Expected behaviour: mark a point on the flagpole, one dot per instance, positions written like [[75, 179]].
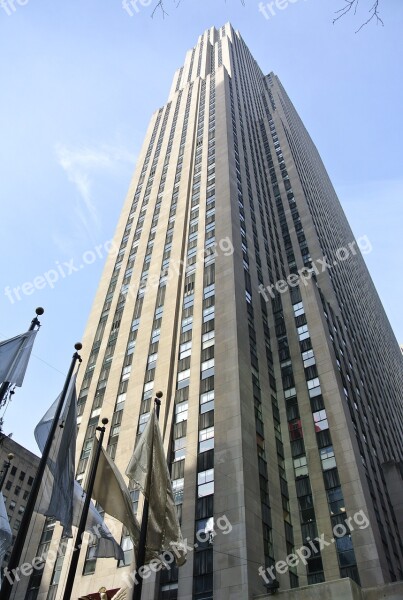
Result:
[[18, 547], [6, 466], [141, 554], [83, 519], [34, 323]]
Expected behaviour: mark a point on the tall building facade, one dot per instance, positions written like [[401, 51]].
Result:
[[238, 289]]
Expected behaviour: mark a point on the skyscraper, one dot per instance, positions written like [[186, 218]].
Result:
[[238, 289]]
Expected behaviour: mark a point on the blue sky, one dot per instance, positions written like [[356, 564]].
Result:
[[79, 82]]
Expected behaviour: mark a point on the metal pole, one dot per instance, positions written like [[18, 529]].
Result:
[[83, 519], [34, 323], [18, 547], [6, 466], [141, 554]]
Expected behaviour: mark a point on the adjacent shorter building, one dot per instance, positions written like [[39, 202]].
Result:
[[17, 485]]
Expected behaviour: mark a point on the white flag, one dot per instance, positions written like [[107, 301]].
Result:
[[61, 496], [148, 469], [107, 546], [111, 492], [14, 357], [5, 532], [58, 481]]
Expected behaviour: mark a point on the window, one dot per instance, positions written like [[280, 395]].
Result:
[[209, 290], [152, 359], [300, 466], [345, 551], [206, 439], [203, 571], [295, 428], [327, 458], [87, 447], [177, 489], [90, 560], [205, 483], [181, 412], [312, 383], [48, 530], [155, 336], [183, 379], [306, 508], [303, 332], [336, 501], [298, 309], [207, 402], [143, 419], [185, 350], [314, 388], [204, 532], [208, 314], [308, 358], [13, 471], [128, 554], [57, 572], [320, 419], [120, 402], [179, 448], [207, 368], [126, 373], [148, 390], [208, 339], [187, 323], [22, 476], [207, 364]]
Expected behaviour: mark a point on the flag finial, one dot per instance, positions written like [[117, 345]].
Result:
[[157, 402], [35, 321]]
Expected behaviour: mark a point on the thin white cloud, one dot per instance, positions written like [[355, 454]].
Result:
[[81, 165]]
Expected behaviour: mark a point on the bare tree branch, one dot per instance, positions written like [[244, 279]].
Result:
[[352, 5], [349, 5], [160, 5]]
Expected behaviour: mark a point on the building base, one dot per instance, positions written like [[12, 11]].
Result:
[[341, 589]]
